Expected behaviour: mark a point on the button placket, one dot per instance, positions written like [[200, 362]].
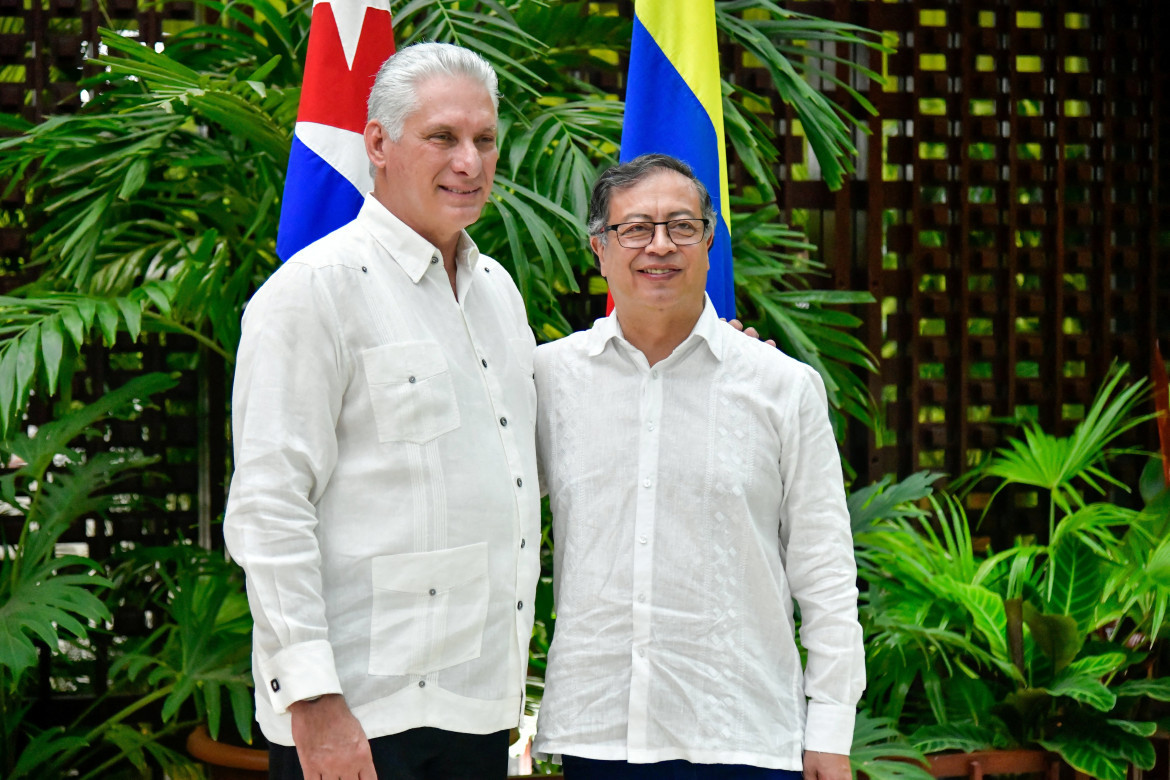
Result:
[[643, 560]]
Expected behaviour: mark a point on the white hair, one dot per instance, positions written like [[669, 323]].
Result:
[[394, 95]]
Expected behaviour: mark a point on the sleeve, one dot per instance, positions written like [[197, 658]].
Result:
[[817, 546], [289, 382]]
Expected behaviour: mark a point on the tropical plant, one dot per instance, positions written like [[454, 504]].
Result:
[[46, 597], [1047, 645], [155, 207], [1066, 466], [153, 210]]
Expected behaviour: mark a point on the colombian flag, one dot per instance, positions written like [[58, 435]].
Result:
[[328, 171], [674, 106]]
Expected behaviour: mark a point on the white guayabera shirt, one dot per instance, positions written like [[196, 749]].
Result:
[[385, 503], [692, 502]]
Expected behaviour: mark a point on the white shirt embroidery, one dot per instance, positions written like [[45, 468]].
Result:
[[692, 501], [384, 504]]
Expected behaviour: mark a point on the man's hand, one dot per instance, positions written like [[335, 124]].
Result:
[[826, 766], [752, 332], [330, 741]]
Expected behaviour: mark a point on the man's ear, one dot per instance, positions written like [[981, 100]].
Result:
[[375, 138], [597, 247], [710, 239]]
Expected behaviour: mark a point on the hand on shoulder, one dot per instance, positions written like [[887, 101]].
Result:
[[750, 332]]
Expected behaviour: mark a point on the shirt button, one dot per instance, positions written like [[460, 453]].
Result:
[[422, 683], [646, 482], [434, 260], [504, 422], [484, 361], [650, 427], [641, 598], [519, 605], [522, 543], [641, 652], [433, 591], [519, 482], [641, 539], [654, 374], [275, 685], [411, 380]]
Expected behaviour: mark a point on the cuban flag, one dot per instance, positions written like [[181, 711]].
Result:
[[328, 172], [674, 105]]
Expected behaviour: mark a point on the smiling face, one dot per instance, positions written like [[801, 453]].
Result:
[[438, 175], [660, 277]]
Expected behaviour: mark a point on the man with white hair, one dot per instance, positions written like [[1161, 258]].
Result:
[[385, 502]]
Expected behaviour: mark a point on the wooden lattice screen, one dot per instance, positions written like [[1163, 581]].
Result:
[[1009, 211], [1009, 214], [43, 46]]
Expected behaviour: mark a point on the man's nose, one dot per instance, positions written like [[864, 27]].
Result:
[[466, 158], [661, 242]]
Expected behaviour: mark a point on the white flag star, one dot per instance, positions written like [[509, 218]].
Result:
[[349, 15]]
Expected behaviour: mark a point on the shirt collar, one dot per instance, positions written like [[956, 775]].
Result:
[[410, 250], [706, 328]]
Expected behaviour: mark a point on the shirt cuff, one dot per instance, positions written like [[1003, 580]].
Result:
[[829, 728], [298, 672]]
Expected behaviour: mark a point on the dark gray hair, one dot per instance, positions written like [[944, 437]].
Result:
[[394, 95], [626, 175]]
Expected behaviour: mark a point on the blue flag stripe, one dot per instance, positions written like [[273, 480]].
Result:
[[663, 115], [320, 191]]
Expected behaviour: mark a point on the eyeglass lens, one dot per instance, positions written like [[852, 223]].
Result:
[[634, 235]]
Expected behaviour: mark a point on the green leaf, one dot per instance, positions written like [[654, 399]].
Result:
[[107, 317], [157, 293], [939, 737], [1158, 690], [135, 178], [1058, 636], [888, 498], [26, 360], [987, 612], [52, 347], [1101, 747], [1086, 757], [132, 314], [7, 388], [1075, 581], [1097, 665], [1085, 689], [74, 325], [42, 750], [1141, 728]]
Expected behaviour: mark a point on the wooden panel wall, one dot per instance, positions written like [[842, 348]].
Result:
[[1010, 216], [1009, 213]]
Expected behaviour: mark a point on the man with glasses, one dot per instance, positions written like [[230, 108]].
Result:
[[696, 491]]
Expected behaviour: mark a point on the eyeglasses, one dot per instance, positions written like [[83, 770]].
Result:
[[683, 232]]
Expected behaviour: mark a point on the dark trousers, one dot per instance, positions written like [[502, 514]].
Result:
[[418, 754], [576, 768]]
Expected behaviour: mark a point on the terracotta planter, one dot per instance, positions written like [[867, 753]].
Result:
[[995, 762], [227, 762]]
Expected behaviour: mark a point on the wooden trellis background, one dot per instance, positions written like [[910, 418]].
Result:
[[1010, 215]]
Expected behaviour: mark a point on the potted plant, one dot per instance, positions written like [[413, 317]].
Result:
[[1051, 646]]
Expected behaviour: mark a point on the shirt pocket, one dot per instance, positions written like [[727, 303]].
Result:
[[411, 391], [429, 609]]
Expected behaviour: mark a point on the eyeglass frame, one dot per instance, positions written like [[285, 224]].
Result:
[[703, 234]]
